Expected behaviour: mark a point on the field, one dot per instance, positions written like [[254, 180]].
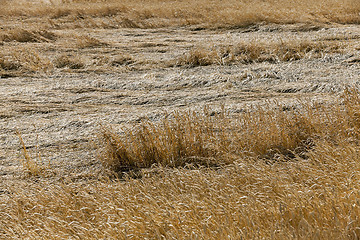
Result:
[[180, 119]]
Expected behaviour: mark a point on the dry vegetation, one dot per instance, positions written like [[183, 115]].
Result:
[[285, 168], [49, 23], [259, 51], [15, 60], [149, 14], [279, 174], [217, 138]]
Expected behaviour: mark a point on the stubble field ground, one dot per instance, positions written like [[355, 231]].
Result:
[[67, 72]]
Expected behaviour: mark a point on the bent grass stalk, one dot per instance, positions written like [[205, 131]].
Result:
[[29, 164]]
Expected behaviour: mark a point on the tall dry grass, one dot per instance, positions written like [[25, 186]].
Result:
[[24, 35], [215, 140], [155, 13], [23, 61], [259, 51], [313, 195]]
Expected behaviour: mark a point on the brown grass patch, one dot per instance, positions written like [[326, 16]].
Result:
[[122, 60], [8, 65], [198, 57], [22, 35], [258, 51], [229, 13], [72, 62], [23, 60], [200, 138]]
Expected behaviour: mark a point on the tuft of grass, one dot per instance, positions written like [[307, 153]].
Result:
[[71, 62], [23, 60], [88, 42], [23, 35], [197, 57], [200, 138], [8, 65], [177, 140], [122, 60]]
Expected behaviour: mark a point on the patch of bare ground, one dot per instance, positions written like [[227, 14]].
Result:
[[158, 119]]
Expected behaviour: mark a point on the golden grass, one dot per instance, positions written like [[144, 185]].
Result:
[[88, 42], [8, 65], [259, 51], [313, 195], [23, 60], [30, 166], [270, 172], [201, 138], [155, 13], [71, 62], [19, 57], [23, 35]]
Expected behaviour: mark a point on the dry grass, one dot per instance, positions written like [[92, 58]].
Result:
[[216, 140], [23, 35], [132, 13], [88, 42], [71, 62], [8, 65], [23, 61], [309, 196], [199, 57], [269, 172], [122, 60], [30, 165], [259, 51]]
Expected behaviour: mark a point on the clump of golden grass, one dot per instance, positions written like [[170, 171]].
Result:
[[198, 57], [258, 51], [260, 133], [72, 62], [167, 143], [314, 196], [23, 60], [23, 35], [212, 140], [218, 13], [122, 60], [281, 51], [88, 42]]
